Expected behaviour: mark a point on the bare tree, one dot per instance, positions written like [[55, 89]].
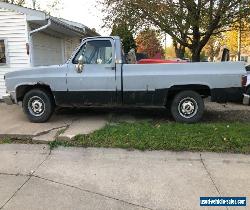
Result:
[[18, 2], [52, 6]]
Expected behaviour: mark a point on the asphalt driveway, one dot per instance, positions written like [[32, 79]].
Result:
[[33, 177]]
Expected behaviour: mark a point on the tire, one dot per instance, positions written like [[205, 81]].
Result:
[[38, 105], [248, 92], [187, 107]]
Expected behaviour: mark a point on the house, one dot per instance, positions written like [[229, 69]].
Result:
[[32, 38], [245, 54]]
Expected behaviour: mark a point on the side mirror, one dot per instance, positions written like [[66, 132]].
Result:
[[80, 64]]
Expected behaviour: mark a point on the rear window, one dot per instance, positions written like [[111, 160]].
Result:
[[2, 52]]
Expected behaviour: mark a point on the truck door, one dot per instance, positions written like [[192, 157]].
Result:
[[96, 83]]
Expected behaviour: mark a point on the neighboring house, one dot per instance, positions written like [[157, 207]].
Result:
[[245, 54], [244, 57], [32, 38]]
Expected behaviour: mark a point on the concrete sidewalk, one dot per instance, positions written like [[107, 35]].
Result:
[[33, 177]]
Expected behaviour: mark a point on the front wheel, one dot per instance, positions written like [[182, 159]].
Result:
[[38, 105], [187, 107]]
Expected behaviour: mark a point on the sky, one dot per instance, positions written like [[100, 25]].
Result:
[[87, 12]]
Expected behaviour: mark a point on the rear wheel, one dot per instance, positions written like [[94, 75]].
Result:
[[38, 105], [187, 107], [248, 92]]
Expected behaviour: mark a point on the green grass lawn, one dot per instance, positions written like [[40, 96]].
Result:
[[213, 137], [5, 141]]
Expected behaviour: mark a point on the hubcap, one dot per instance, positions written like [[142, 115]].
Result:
[[36, 106], [188, 108]]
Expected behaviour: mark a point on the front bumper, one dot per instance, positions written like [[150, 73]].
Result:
[[8, 99], [246, 99]]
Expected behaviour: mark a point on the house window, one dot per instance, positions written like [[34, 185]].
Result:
[[244, 58], [2, 52]]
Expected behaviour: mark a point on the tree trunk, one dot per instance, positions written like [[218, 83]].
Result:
[[196, 54], [196, 45], [196, 49], [179, 50]]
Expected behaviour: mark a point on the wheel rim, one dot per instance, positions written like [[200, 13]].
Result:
[[36, 106], [188, 108]]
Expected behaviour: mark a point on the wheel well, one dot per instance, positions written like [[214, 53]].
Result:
[[23, 89], [203, 90]]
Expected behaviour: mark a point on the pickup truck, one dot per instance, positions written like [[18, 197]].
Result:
[[97, 75]]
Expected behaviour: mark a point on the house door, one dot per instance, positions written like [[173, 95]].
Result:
[[96, 84]]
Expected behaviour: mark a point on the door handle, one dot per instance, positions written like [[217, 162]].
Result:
[[110, 67]]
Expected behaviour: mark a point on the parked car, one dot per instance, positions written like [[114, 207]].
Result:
[[246, 99], [96, 75], [142, 58], [248, 68], [151, 61]]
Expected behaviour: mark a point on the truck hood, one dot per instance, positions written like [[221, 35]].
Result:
[[33, 71]]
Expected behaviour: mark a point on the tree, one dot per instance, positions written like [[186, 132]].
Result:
[[230, 39], [51, 7], [213, 47], [190, 23], [179, 49], [148, 42], [122, 30], [170, 52], [18, 2]]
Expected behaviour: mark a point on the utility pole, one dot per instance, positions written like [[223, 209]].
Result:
[[240, 33], [34, 4], [165, 46]]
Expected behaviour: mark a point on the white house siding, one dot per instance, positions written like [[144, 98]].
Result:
[[47, 50], [13, 28]]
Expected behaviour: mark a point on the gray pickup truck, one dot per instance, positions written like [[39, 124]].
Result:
[[98, 75]]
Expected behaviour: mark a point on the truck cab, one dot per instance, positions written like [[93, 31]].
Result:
[[94, 73]]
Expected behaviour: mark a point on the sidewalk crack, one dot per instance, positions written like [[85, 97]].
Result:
[[14, 194], [48, 131], [45, 159], [26, 181], [92, 192], [10, 174], [210, 176]]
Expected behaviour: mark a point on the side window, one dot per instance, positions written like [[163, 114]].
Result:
[[80, 52], [2, 52], [96, 52]]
